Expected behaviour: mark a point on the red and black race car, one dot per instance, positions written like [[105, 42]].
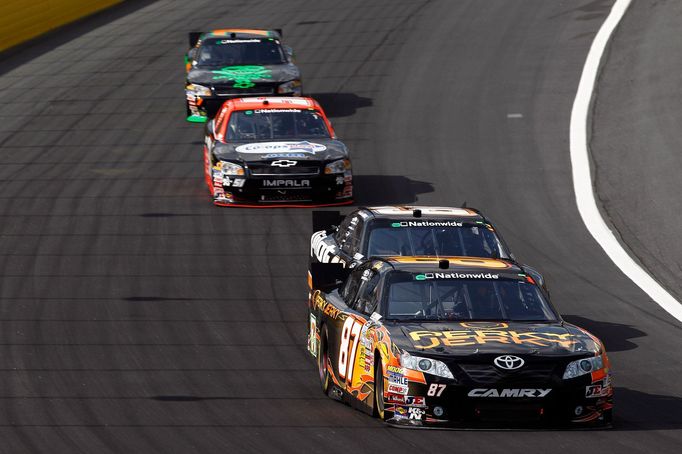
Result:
[[454, 342], [235, 62], [279, 151]]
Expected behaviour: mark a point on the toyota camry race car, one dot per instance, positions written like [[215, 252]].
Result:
[[454, 342], [279, 151], [230, 63], [406, 231]]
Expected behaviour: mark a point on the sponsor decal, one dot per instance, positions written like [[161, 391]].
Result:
[[416, 413], [312, 336], [269, 148], [396, 375], [417, 401], [396, 388], [396, 399], [322, 250], [331, 311], [509, 392], [243, 76], [425, 276], [237, 41], [430, 339], [277, 110], [286, 183], [284, 155], [427, 224], [601, 389]]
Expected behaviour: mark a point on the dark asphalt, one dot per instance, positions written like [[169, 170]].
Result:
[[636, 138], [136, 317]]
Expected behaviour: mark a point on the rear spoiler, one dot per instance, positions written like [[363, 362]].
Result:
[[328, 276], [194, 38], [326, 220]]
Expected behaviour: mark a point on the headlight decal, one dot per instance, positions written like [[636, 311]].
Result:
[[584, 366], [426, 365]]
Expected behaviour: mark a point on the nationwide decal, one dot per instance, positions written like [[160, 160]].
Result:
[[243, 76], [509, 392], [427, 224], [457, 338], [281, 147], [237, 41], [277, 110], [425, 276], [285, 155]]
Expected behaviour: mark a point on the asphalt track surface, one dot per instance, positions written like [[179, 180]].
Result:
[[136, 317]]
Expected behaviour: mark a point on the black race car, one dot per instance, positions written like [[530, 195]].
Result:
[[230, 63], [454, 342], [406, 231], [275, 152]]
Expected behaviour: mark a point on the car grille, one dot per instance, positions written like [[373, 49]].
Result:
[[268, 170], [528, 375], [229, 90]]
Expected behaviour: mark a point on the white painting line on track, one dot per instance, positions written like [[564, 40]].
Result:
[[582, 178]]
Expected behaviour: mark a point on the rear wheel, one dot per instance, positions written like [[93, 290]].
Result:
[[378, 388], [322, 360]]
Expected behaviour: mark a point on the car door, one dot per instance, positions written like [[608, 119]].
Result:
[[353, 355]]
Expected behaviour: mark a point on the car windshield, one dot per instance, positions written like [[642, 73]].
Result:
[[267, 124], [434, 238], [420, 297], [231, 52]]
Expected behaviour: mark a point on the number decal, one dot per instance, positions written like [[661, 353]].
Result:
[[349, 343], [435, 390]]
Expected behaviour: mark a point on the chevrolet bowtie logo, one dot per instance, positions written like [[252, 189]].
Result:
[[283, 163]]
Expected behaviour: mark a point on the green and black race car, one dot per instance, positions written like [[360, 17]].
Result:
[[235, 63]]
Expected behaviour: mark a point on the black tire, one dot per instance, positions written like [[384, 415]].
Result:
[[378, 410], [322, 359]]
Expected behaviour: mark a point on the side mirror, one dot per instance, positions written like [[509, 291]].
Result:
[[328, 276]]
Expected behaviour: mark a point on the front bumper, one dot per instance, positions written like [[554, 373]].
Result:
[[282, 191], [464, 407]]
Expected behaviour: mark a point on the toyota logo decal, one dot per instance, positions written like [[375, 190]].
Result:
[[283, 163], [508, 362]]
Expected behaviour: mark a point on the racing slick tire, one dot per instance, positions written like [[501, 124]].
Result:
[[378, 410], [322, 360]]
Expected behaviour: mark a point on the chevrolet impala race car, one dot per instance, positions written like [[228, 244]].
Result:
[[408, 231], [231, 63], [277, 151], [454, 342]]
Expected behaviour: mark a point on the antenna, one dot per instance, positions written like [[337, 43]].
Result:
[[444, 264], [417, 213]]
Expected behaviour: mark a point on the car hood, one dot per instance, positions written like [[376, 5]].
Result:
[[462, 339], [243, 75], [295, 150]]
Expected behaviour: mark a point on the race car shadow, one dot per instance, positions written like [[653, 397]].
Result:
[[337, 105], [387, 189], [616, 336], [637, 410]]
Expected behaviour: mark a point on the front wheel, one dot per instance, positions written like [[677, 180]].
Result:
[[378, 389], [322, 360]]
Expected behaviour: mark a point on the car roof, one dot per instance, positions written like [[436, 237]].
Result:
[[428, 264], [241, 33], [425, 212], [275, 102]]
